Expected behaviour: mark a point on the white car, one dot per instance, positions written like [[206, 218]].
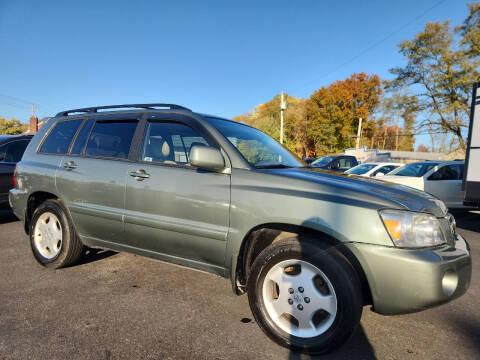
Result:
[[373, 169], [440, 178]]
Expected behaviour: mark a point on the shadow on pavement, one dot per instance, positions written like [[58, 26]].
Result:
[[92, 255], [469, 327], [467, 220], [358, 347], [6, 216]]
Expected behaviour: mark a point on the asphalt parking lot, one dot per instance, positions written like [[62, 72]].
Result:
[[115, 305]]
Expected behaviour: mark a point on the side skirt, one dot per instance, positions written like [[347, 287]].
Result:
[[198, 265]]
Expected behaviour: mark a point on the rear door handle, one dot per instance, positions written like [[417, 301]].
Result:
[[139, 175], [70, 165]]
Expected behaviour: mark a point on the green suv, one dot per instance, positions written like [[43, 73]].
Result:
[[310, 247]]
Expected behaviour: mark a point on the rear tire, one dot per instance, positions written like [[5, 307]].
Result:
[[303, 296], [53, 238]]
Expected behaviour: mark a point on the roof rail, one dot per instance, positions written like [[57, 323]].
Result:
[[95, 109]]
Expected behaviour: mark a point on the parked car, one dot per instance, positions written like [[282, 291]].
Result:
[[442, 179], [310, 247], [11, 151], [338, 163], [373, 169]]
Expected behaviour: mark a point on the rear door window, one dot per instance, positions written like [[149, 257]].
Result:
[[111, 139], [82, 137], [60, 137]]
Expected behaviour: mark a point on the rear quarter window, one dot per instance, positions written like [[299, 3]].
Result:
[[60, 137]]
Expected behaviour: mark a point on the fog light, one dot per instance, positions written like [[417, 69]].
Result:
[[449, 282]]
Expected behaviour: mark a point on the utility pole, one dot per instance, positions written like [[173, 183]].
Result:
[[359, 133], [283, 106], [396, 140]]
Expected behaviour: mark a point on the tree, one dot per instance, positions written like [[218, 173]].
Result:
[[440, 75], [11, 127], [469, 31], [333, 112]]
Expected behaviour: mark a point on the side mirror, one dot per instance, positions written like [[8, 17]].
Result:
[[2, 156], [206, 157], [380, 174]]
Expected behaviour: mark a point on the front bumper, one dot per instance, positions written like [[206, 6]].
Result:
[[404, 281]]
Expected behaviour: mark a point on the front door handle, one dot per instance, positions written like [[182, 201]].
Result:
[[70, 165], [139, 175]]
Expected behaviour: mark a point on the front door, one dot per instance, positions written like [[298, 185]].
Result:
[[178, 212], [446, 184]]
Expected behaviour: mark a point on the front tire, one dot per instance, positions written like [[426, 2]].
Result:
[[53, 239], [305, 297]]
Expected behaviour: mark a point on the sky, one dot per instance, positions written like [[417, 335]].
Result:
[[217, 57]]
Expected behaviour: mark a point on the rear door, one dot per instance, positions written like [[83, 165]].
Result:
[[91, 177], [177, 211]]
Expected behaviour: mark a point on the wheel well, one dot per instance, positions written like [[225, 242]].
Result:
[[34, 200], [264, 235]]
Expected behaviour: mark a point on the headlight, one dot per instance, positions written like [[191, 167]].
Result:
[[412, 229]]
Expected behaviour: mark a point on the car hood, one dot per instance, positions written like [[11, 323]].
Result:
[[388, 193]]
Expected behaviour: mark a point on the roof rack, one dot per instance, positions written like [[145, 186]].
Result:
[[95, 109]]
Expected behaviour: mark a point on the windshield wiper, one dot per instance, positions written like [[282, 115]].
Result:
[[273, 166]]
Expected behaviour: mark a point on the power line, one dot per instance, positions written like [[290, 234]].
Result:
[[376, 44], [20, 103], [16, 99]]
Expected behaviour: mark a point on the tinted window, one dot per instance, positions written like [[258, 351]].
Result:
[[414, 169], [449, 172], [111, 139], [82, 137], [59, 139], [13, 151], [169, 143], [361, 169], [384, 169], [322, 161]]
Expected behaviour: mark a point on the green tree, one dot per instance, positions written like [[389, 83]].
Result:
[[11, 127], [469, 31], [441, 74]]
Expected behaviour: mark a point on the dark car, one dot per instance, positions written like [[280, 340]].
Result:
[[11, 152], [309, 160], [340, 163]]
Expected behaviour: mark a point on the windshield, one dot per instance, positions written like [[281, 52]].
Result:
[[415, 169], [360, 169], [322, 161], [259, 149]]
